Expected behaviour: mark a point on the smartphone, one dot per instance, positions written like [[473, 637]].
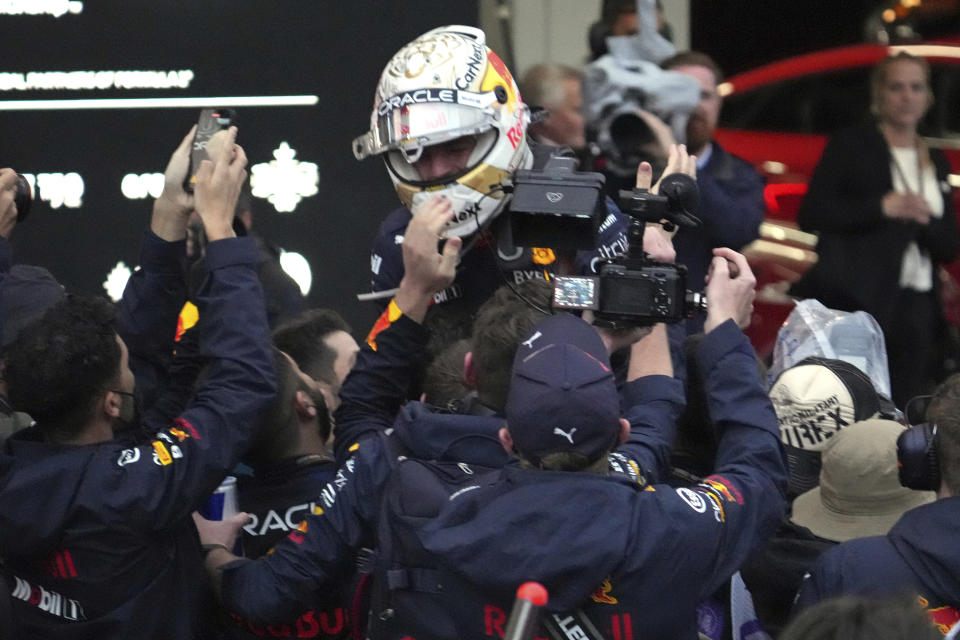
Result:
[[210, 121]]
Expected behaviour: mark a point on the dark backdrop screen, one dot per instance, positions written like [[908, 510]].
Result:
[[97, 166]]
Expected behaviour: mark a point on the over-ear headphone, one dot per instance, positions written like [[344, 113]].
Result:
[[919, 466]]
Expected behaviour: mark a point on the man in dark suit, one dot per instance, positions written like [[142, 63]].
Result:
[[731, 191]]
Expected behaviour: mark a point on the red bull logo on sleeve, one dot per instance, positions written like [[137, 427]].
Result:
[[186, 427], [602, 594], [943, 618], [390, 315], [725, 487], [297, 536]]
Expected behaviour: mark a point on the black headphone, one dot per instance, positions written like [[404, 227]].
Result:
[[919, 466]]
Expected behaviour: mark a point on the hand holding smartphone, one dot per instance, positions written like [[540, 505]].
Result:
[[210, 122]]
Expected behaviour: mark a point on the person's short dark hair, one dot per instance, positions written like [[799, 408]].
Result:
[[302, 339], [277, 433], [599, 30], [862, 618], [613, 8], [944, 411], [694, 59], [443, 383], [500, 323], [61, 364], [446, 324]]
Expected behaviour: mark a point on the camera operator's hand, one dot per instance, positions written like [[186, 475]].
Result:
[[218, 187], [679, 161], [649, 348], [731, 288], [616, 339], [8, 205], [172, 209], [657, 241], [426, 269]]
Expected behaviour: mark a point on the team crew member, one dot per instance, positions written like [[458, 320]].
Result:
[[110, 550], [291, 464], [723, 519]]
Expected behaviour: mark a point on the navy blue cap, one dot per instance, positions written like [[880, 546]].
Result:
[[562, 393]]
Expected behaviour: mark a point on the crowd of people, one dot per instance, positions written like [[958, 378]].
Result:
[[478, 438]]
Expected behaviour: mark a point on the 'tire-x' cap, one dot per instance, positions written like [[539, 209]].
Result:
[[815, 399], [562, 393]]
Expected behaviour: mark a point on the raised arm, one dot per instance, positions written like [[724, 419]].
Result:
[[193, 455], [652, 398], [378, 383], [154, 295]]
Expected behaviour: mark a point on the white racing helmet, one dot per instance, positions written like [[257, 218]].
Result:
[[445, 85]]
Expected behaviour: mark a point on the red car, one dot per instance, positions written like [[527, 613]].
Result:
[[779, 117]]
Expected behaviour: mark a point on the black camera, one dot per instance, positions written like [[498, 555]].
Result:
[[23, 198], [631, 289]]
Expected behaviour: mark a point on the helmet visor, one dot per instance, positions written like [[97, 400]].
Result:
[[417, 119], [450, 160]]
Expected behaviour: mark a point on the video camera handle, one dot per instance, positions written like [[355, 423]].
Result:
[[677, 202]]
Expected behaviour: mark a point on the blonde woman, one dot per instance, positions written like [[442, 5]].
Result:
[[880, 202]]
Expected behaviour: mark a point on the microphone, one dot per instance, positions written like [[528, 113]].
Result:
[[682, 192], [525, 615]]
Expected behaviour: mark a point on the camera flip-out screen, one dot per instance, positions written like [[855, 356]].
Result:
[[557, 209]]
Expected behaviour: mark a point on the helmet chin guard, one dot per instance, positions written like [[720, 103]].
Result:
[[446, 85]]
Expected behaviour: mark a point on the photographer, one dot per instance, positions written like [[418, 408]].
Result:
[[731, 190]]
